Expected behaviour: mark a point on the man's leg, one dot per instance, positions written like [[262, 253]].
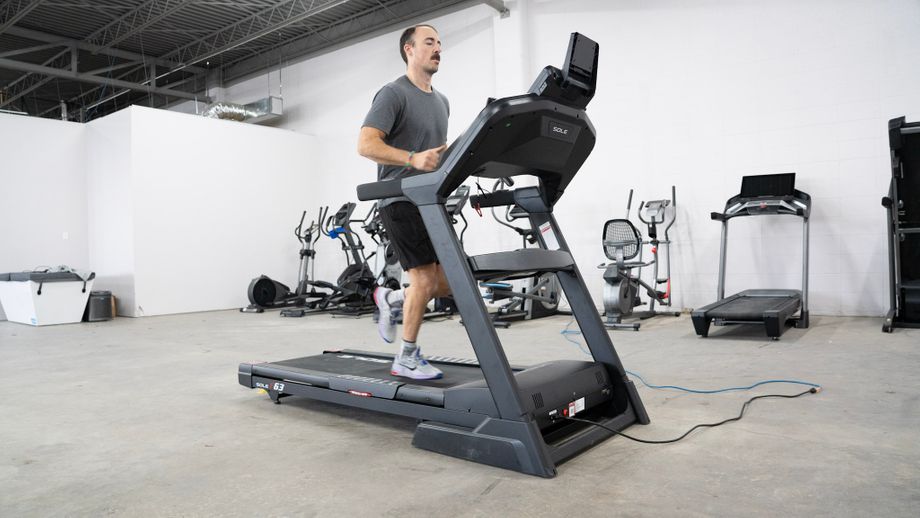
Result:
[[425, 283]]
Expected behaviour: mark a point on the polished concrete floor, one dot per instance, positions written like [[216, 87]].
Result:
[[144, 417]]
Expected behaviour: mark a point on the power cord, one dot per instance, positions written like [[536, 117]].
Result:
[[813, 390], [716, 391], [567, 332]]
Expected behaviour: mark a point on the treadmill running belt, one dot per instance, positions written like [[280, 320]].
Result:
[[374, 367], [749, 308]]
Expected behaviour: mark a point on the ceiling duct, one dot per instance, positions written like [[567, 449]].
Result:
[[259, 111]]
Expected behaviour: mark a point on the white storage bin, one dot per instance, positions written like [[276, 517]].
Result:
[[42, 299]]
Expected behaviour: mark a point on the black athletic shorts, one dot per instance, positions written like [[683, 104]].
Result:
[[408, 235]]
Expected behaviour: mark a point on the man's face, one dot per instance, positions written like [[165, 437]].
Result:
[[425, 52]]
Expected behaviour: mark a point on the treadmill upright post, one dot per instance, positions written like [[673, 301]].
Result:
[[722, 253], [802, 322], [495, 367]]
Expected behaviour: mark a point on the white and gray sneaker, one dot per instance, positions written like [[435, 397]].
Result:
[[414, 366], [386, 323]]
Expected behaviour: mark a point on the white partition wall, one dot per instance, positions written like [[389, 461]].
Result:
[[216, 203], [42, 195], [186, 210], [110, 207]]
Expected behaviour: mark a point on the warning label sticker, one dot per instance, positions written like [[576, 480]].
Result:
[[549, 237]]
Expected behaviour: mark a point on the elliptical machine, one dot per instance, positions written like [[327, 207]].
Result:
[[385, 267], [267, 293], [624, 246], [355, 286]]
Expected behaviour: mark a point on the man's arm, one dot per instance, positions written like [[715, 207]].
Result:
[[371, 145]]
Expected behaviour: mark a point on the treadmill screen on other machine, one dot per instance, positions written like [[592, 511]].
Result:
[[782, 184]]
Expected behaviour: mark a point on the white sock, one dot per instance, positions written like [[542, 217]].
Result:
[[408, 348], [395, 298]]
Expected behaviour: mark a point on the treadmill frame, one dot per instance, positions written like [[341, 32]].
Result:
[[903, 293], [774, 319], [545, 133]]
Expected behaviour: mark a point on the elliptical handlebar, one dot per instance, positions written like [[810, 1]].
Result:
[[664, 211], [299, 227], [673, 216]]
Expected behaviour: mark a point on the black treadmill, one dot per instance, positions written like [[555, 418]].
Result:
[[903, 207], [486, 410], [761, 195]]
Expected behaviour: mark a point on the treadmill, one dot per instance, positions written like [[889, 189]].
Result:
[[484, 409], [761, 195]]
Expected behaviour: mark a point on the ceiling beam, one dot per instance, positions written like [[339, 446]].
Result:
[[29, 50], [28, 83], [134, 22], [11, 11], [252, 27], [89, 78], [95, 49], [369, 24]]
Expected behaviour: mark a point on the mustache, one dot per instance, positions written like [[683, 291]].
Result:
[[436, 56]]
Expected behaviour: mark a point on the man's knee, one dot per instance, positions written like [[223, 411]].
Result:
[[425, 279]]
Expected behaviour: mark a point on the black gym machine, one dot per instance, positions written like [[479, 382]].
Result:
[[903, 207], [351, 294]]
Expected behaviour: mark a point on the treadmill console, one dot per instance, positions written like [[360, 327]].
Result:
[[767, 194], [576, 82]]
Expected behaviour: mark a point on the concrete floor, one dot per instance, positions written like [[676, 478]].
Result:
[[144, 417]]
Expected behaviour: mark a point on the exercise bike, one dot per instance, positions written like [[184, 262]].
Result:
[[267, 293], [624, 246]]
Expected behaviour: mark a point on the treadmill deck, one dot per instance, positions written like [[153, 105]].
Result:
[[366, 364], [773, 308]]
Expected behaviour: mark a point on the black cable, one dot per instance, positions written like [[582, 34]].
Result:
[[705, 425]]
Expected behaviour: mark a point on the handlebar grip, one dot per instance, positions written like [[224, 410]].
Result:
[[380, 190], [493, 199]]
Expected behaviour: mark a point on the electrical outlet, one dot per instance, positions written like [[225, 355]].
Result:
[[65, 236]]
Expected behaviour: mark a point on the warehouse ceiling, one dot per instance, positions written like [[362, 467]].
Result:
[[82, 59]]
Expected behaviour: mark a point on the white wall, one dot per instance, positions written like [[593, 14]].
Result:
[[175, 213], [698, 94], [42, 195], [110, 207], [215, 204], [328, 97], [694, 94]]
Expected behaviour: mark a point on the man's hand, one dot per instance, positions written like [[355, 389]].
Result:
[[427, 160]]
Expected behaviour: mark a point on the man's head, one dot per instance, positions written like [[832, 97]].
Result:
[[420, 47]]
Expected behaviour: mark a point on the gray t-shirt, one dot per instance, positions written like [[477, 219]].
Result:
[[412, 120]]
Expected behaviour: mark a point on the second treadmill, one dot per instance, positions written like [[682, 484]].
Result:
[[760, 195]]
